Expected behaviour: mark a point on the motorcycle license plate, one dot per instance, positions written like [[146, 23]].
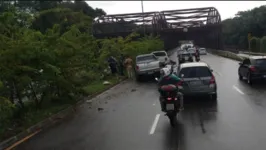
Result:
[[170, 107]]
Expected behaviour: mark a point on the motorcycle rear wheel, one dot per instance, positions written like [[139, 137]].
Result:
[[173, 120]]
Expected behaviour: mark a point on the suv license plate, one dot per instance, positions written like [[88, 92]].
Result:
[[170, 107], [195, 82]]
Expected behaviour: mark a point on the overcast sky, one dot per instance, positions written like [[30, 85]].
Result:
[[227, 9]]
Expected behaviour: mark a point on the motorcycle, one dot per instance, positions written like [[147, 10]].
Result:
[[197, 57], [172, 104]]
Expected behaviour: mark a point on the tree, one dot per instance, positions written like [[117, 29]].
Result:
[[251, 21], [253, 44], [263, 44], [83, 6], [49, 65]]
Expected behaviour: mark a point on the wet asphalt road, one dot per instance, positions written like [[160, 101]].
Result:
[[131, 119]]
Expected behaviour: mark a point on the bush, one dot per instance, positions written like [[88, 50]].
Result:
[[258, 45], [253, 44], [263, 44]]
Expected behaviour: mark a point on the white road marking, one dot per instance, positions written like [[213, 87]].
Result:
[[238, 90], [218, 73], [155, 122], [153, 104]]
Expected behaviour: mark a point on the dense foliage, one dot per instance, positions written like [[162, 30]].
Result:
[[47, 60], [235, 30]]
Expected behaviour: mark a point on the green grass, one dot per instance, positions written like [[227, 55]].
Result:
[[33, 116], [98, 86], [30, 118]]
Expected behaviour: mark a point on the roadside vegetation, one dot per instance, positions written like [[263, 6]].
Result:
[[50, 60], [236, 30]]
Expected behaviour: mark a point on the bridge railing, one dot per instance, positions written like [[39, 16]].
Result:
[[184, 18]]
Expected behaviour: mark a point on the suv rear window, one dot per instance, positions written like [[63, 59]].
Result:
[[185, 54], [159, 54], [195, 72], [260, 62], [145, 58]]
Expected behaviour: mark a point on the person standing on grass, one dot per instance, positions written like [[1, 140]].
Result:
[[121, 64], [128, 63], [112, 64]]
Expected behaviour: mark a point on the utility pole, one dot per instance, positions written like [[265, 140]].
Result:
[[143, 16]]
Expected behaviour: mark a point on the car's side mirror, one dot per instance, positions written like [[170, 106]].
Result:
[[240, 63], [211, 70]]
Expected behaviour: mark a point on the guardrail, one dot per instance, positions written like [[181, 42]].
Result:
[[252, 53], [227, 54]]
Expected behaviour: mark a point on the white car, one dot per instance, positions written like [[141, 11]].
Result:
[[191, 50], [202, 51], [162, 56], [147, 64]]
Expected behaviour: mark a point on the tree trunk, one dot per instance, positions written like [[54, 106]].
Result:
[[18, 94], [34, 95]]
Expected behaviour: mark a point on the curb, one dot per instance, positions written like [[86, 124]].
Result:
[[52, 120]]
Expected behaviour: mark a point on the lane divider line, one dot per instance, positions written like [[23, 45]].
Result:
[[218, 73], [155, 122], [153, 104], [238, 90]]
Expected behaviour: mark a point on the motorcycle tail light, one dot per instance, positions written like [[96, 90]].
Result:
[[169, 98]]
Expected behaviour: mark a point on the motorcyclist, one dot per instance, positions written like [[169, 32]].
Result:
[[197, 54], [172, 81]]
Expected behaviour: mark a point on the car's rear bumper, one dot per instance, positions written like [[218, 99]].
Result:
[[148, 72], [199, 93], [258, 76]]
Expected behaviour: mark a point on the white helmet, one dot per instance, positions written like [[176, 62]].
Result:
[[165, 72]]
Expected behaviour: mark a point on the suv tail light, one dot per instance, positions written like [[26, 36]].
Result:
[[169, 98], [252, 68], [212, 81]]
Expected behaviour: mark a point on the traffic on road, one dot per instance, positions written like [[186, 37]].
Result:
[[221, 112]]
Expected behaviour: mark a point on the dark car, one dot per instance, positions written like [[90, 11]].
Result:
[[253, 68], [185, 56]]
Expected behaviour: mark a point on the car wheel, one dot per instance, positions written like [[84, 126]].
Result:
[[240, 77], [249, 80], [138, 78], [214, 97]]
